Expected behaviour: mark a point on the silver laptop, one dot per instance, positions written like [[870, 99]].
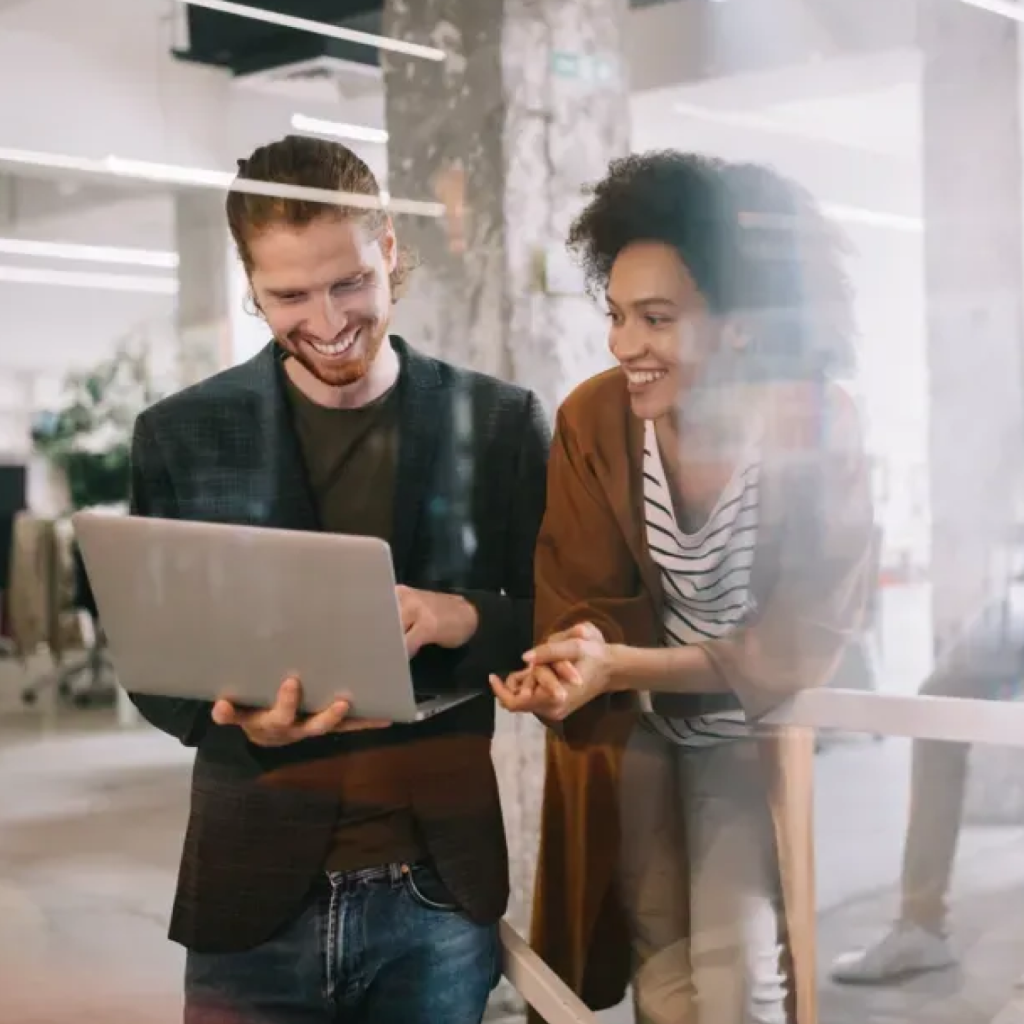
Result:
[[204, 611]]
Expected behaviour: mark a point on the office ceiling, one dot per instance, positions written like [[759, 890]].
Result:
[[244, 46]]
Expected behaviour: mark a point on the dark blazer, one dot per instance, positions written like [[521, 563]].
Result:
[[469, 498]]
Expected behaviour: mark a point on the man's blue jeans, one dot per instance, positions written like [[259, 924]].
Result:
[[382, 946]]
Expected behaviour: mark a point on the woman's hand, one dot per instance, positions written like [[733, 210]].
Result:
[[564, 673], [588, 658], [536, 692]]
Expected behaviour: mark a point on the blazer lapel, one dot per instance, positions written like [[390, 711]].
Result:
[[627, 498], [421, 421], [290, 504]]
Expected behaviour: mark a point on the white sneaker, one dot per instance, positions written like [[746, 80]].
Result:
[[906, 950], [1013, 1011]]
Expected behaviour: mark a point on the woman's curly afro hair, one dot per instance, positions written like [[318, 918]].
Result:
[[756, 244]]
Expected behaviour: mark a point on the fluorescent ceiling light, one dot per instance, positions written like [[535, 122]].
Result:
[[55, 161], [872, 218], [755, 121], [337, 130], [88, 253], [845, 214], [170, 174], [1007, 8], [78, 279], [193, 176], [321, 28], [174, 174]]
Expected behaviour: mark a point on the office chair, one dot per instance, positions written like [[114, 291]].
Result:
[[13, 498], [89, 680], [7, 648]]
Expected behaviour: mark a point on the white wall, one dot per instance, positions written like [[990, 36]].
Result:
[[687, 41], [96, 78]]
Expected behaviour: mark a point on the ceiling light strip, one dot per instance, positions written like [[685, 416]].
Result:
[[338, 130], [872, 218], [1007, 8], [80, 279], [173, 174], [88, 253], [733, 119], [836, 211], [321, 28]]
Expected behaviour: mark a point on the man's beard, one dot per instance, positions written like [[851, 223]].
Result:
[[343, 372]]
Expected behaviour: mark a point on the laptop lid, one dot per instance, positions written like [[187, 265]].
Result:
[[204, 610]]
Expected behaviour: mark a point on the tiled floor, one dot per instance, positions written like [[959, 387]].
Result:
[[90, 828]]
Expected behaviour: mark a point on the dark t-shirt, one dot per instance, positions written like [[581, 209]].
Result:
[[351, 457]]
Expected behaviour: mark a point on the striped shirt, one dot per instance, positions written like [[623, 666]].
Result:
[[705, 576]]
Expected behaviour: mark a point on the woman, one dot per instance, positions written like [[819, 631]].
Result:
[[703, 556]]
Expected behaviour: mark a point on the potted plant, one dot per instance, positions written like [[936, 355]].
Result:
[[87, 439]]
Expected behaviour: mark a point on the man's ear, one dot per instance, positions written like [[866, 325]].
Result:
[[389, 246]]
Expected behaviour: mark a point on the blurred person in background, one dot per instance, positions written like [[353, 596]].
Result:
[[334, 871], [983, 662], [703, 556]]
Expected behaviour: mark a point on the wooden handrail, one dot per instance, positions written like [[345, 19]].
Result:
[[538, 984], [956, 719]]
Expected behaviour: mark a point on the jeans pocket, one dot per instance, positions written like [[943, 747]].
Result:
[[425, 887]]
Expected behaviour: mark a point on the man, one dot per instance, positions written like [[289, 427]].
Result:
[[984, 662], [332, 871]]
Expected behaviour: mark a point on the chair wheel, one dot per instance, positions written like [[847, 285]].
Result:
[[29, 697], [64, 688]]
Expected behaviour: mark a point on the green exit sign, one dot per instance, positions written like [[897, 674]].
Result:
[[583, 67]]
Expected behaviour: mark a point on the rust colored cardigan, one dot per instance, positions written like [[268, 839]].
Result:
[[809, 581]]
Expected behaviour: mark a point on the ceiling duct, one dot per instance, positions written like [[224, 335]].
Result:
[[324, 78], [285, 62]]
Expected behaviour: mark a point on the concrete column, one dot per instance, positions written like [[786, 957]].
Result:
[[209, 295], [974, 277], [529, 107]]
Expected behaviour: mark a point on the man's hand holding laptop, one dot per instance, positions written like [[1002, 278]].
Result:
[[282, 724], [427, 618]]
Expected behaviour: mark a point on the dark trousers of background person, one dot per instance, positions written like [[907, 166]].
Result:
[[986, 662]]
